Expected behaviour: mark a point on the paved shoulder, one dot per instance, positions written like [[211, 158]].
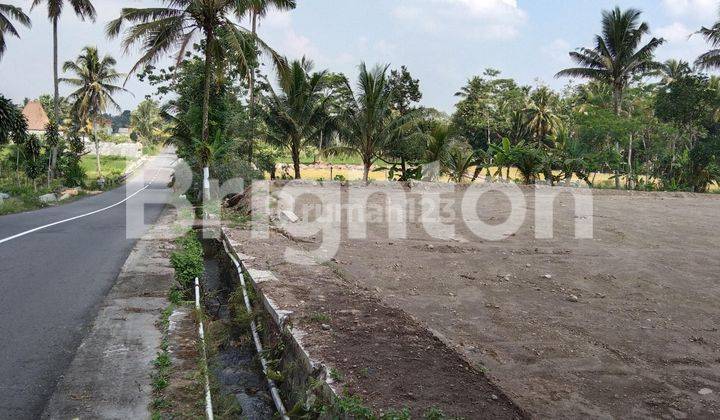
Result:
[[109, 376]]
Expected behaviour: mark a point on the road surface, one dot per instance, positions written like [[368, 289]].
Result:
[[53, 280]]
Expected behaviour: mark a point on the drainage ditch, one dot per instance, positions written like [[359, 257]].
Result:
[[234, 362]]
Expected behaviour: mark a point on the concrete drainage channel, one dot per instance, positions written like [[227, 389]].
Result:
[[237, 364]]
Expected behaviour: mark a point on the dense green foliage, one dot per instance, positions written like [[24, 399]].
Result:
[[188, 262]]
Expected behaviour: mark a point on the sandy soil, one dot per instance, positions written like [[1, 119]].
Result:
[[378, 353], [623, 324]]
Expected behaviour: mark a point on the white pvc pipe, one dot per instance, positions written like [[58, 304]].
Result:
[[256, 338], [201, 331]]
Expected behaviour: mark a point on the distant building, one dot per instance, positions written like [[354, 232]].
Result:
[[36, 117], [124, 130]]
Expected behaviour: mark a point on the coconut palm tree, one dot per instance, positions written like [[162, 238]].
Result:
[[94, 80], [710, 59], [174, 26], [296, 116], [84, 10], [8, 12], [458, 160], [254, 10], [617, 55], [369, 122], [672, 70], [146, 121], [540, 113]]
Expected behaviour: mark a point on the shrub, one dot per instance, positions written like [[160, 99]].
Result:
[[187, 260]]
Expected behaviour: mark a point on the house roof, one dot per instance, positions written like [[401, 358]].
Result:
[[36, 117]]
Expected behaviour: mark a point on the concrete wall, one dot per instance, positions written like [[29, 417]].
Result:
[[129, 150]]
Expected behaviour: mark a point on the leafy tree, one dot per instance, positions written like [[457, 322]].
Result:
[[688, 103], [8, 12], [487, 107], [122, 120], [617, 55], [297, 114], [13, 124], [94, 82], [404, 89], [34, 159], [161, 29]]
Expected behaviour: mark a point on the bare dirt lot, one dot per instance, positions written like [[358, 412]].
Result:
[[621, 325]]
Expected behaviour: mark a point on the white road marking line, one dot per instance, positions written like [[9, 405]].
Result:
[[27, 232]]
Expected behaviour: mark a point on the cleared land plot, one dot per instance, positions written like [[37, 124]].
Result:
[[624, 324]]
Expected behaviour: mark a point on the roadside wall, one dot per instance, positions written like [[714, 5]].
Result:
[[128, 150]]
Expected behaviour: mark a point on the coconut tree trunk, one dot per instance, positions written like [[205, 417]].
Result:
[[367, 163], [206, 88], [630, 181], [251, 146], [97, 148], [56, 97], [295, 151], [617, 99], [617, 173]]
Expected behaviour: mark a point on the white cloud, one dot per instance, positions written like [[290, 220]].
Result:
[[699, 9], [679, 43], [278, 30], [487, 19], [675, 32], [558, 50]]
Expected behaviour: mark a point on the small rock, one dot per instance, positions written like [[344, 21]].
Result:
[[325, 327], [573, 298], [494, 397], [47, 198], [527, 265], [430, 246], [4, 196], [548, 276], [64, 197], [705, 391], [289, 216]]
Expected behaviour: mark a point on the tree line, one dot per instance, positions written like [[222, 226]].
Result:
[[651, 125]]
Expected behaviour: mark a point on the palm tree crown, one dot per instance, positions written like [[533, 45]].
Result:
[[298, 113], [369, 123], [94, 80], [710, 59], [162, 29], [542, 120], [617, 55], [8, 12]]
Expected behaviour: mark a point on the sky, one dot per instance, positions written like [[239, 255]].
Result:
[[442, 42]]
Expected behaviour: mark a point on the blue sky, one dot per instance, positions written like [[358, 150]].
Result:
[[443, 42]]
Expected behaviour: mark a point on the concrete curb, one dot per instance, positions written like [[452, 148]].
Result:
[[293, 336]]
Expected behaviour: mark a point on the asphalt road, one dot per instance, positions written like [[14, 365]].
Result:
[[52, 282]]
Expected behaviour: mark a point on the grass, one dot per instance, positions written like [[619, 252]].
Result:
[[152, 149], [109, 165], [310, 157], [23, 197]]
